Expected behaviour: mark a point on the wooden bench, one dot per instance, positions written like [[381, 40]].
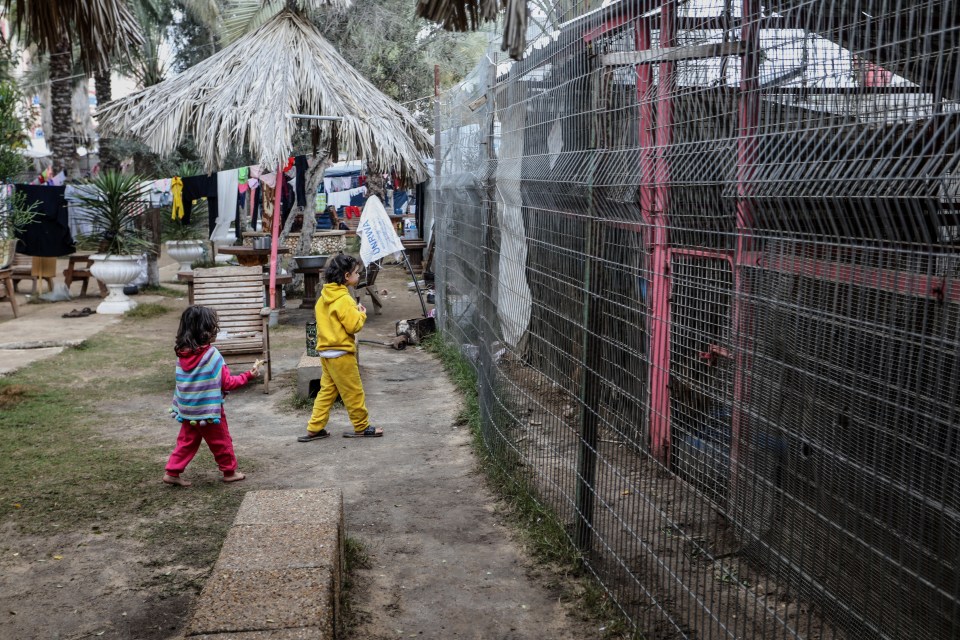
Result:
[[78, 268], [236, 294], [6, 275], [282, 279], [22, 269]]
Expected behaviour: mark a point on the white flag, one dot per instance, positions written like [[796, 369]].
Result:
[[378, 238]]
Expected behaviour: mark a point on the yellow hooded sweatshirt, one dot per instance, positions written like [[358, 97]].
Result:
[[338, 319]]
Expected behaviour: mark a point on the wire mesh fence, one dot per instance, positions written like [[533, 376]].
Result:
[[704, 258]]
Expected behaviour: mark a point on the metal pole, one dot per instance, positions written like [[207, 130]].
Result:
[[275, 233], [748, 121], [416, 284], [304, 116], [436, 131], [591, 384]]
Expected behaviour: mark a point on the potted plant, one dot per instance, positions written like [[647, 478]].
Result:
[[15, 215], [186, 242], [112, 210]]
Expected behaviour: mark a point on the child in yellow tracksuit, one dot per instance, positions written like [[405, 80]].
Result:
[[339, 319]]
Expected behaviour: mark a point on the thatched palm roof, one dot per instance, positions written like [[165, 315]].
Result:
[[240, 97]]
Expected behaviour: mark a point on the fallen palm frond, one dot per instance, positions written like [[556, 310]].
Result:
[[240, 97]]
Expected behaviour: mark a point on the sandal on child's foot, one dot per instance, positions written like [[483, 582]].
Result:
[[236, 477], [175, 480], [369, 432], [319, 435]]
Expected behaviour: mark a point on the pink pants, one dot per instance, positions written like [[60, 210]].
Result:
[[217, 437]]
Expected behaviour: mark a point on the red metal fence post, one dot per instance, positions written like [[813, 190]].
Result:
[[659, 196]]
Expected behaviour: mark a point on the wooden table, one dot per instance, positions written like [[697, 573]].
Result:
[[281, 280], [414, 249], [311, 283], [78, 268], [250, 257]]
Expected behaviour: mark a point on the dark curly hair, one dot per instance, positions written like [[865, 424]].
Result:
[[198, 327], [338, 267]]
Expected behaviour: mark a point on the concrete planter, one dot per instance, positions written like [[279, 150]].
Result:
[[116, 272], [186, 252]]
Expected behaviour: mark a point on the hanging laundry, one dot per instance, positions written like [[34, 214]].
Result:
[[256, 204], [269, 179], [79, 218], [49, 235], [160, 195], [358, 196], [176, 189], [269, 199], [301, 164], [196, 188], [243, 173], [287, 200], [226, 204], [338, 199]]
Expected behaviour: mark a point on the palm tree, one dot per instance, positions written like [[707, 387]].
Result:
[[101, 28], [147, 68]]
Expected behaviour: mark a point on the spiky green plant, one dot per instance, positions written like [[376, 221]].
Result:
[[112, 209]]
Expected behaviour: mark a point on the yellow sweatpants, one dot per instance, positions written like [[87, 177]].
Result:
[[340, 376]]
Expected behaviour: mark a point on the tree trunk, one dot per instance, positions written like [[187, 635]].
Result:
[[375, 182], [62, 146], [315, 169], [103, 84], [154, 227]]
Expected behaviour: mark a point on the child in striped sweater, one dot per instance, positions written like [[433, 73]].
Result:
[[202, 377]]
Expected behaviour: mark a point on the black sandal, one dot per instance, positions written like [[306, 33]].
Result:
[[369, 432], [319, 435]]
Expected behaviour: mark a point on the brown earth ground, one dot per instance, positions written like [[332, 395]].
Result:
[[443, 562]]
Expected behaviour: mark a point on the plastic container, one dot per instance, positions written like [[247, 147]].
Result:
[[410, 229]]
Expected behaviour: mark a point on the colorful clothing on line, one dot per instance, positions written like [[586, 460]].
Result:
[[176, 188]]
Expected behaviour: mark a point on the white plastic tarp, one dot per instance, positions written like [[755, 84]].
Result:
[[378, 238]]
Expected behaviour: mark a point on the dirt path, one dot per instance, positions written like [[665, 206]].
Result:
[[442, 563]]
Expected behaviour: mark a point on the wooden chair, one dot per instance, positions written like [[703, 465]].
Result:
[[236, 293], [78, 268], [23, 270], [8, 289], [369, 284]]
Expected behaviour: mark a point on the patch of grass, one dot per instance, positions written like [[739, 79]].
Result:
[[355, 555], [160, 290], [146, 310], [298, 402], [13, 395], [537, 523], [59, 475]]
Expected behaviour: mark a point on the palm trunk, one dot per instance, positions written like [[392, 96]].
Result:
[[102, 82], [375, 182], [62, 145]]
